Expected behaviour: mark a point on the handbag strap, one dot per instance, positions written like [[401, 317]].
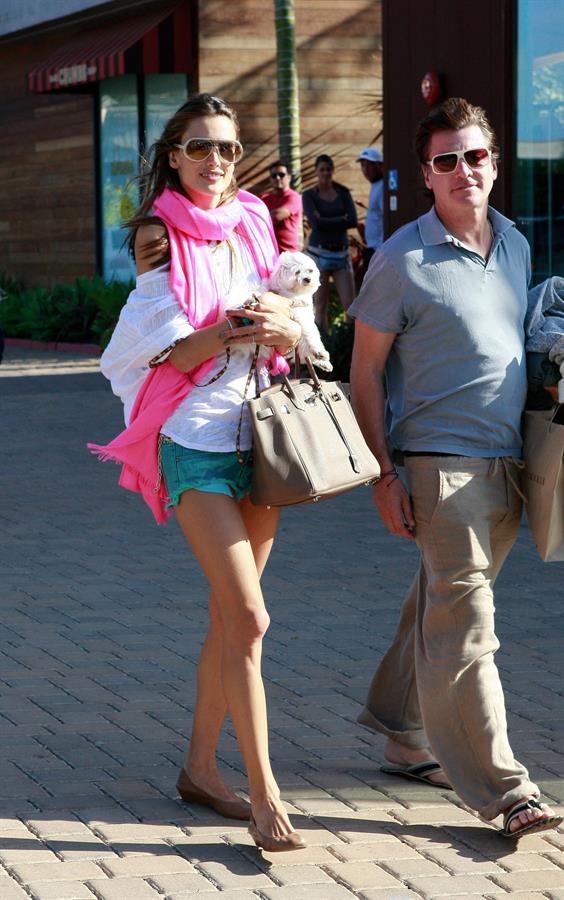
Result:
[[252, 370]]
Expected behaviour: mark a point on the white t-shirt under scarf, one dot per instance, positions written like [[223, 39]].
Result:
[[151, 320]]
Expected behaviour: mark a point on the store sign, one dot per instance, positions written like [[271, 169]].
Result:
[[69, 75]]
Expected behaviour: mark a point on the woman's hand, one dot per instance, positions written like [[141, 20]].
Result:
[[272, 324]]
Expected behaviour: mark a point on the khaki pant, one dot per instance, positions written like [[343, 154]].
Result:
[[438, 685]]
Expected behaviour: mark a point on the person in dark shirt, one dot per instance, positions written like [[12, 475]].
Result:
[[330, 211]]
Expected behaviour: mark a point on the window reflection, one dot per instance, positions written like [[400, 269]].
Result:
[[120, 155], [164, 94], [119, 160], [539, 182]]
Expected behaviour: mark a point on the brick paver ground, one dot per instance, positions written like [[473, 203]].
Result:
[[102, 616]]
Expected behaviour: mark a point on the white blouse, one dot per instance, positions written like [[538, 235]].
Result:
[[208, 418]]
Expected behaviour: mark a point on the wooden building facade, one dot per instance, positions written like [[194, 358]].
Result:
[[79, 98]]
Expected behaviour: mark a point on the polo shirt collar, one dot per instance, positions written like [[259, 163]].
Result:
[[433, 232]]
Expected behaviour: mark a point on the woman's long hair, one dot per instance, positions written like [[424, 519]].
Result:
[[157, 173]]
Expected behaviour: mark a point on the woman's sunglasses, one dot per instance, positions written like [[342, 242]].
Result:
[[446, 163], [198, 149]]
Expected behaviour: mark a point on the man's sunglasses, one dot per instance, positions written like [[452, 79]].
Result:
[[278, 174], [446, 163], [198, 149]]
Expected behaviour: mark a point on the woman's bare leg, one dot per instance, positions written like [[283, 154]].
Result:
[[344, 282], [219, 532], [321, 303], [211, 704]]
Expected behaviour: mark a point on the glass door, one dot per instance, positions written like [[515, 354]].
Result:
[[538, 202], [119, 161]]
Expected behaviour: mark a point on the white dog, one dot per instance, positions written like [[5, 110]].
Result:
[[296, 277]]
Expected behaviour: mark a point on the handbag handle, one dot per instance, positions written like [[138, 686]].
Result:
[[317, 386], [314, 376]]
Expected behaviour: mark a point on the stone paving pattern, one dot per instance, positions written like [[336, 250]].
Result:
[[102, 617]]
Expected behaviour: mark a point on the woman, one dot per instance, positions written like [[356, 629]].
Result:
[[183, 358], [330, 211]]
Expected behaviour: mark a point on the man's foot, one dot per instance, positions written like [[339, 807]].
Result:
[[401, 756], [528, 816]]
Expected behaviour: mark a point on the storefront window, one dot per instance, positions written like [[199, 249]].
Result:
[[119, 161], [120, 154], [164, 94], [539, 183]]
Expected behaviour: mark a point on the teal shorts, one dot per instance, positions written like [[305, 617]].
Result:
[[199, 470]]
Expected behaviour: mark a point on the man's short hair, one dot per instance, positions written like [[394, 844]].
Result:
[[278, 163], [452, 115]]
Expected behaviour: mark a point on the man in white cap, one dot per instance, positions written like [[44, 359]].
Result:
[[371, 162]]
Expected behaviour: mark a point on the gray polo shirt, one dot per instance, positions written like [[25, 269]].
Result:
[[456, 372]]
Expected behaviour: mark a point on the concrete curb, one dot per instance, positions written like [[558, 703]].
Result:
[[59, 346]]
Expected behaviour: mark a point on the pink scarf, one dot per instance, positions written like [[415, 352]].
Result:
[[190, 229]]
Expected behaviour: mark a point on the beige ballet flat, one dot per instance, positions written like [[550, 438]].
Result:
[[191, 793], [272, 844]]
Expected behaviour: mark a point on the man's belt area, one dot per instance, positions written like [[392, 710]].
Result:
[[333, 247], [399, 455]]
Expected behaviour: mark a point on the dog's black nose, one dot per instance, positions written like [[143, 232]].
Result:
[[307, 280]]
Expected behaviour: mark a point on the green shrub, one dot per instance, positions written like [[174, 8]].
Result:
[[339, 341], [83, 312], [87, 311]]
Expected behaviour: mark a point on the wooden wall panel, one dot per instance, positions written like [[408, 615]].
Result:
[[47, 177], [47, 214], [339, 72], [471, 47]]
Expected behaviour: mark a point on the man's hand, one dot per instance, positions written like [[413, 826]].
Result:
[[394, 506]]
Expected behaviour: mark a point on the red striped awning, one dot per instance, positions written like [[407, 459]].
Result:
[[160, 41]]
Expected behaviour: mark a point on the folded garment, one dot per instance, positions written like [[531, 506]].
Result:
[[544, 322]]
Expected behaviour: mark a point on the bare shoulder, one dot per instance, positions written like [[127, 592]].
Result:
[[151, 247]]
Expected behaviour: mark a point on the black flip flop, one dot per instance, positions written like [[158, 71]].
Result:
[[540, 825], [419, 772]]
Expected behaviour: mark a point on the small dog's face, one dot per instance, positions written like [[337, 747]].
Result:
[[295, 273]]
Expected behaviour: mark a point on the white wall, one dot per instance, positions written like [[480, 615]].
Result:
[[18, 14]]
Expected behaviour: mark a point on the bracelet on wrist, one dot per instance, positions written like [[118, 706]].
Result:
[[162, 357], [390, 472]]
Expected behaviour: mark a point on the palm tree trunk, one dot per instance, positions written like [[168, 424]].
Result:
[[288, 101]]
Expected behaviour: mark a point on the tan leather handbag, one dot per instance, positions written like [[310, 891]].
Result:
[[307, 444]]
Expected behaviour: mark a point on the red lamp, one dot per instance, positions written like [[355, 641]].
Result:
[[431, 88]]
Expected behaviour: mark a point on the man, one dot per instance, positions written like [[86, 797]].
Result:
[[442, 310], [285, 207], [372, 165]]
